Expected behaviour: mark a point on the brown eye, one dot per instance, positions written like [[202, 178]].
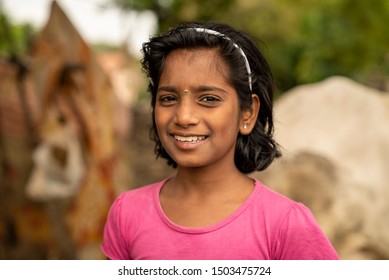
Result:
[[210, 99], [167, 99]]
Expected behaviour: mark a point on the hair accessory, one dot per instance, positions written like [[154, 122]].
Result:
[[216, 33], [186, 91]]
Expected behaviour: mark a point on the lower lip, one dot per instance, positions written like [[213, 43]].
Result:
[[188, 145]]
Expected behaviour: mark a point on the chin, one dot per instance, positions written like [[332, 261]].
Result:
[[189, 164]]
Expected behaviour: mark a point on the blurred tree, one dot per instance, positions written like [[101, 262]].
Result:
[[171, 12], [309, 40], [345, 37], [14, 39], [306, 40]]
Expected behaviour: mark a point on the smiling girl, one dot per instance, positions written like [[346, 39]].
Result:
[[212, 93]]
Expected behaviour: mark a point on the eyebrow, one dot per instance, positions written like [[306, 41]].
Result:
[[167, 88], [199, 89], [210, 88]]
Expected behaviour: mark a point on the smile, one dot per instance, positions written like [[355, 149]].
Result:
[[190, 139]]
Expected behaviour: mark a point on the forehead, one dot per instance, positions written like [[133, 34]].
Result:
[[201, 60]]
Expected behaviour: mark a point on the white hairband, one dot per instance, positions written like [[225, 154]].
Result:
[[216, 33]]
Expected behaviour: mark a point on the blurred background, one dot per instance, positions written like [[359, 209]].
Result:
[[75, 116]]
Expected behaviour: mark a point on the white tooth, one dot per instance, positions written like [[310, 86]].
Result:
[[189, 138]]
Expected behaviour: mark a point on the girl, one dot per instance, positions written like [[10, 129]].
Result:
[[212, 120]]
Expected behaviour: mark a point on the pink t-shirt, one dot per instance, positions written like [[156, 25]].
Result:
[[267, 226]]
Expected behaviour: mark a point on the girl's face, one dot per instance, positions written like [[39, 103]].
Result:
[[197, 111]]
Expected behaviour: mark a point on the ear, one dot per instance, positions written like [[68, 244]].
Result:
[[249, 117]]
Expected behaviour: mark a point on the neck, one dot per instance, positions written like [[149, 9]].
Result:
[[206, 181], [199, 197]]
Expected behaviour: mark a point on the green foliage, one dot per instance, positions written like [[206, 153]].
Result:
[[345, 38], [14, 39], [305, 40], [171, 12]]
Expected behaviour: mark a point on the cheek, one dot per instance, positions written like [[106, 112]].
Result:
[[233, 130], [229, 127]]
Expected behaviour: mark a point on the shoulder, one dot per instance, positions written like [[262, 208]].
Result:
[[126, 214], [280, 211], [272, 200], [130, 204], [298, 234]]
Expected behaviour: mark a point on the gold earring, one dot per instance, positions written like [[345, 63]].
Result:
[[186, 91]]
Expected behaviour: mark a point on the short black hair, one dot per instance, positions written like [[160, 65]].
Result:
[[255, 151]]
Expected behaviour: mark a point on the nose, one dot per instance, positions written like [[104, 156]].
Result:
[[186, 114]]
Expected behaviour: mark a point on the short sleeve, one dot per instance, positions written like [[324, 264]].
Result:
[[114, 245], [301, 238]]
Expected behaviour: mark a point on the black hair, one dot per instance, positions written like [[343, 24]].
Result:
[[255, 151]]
